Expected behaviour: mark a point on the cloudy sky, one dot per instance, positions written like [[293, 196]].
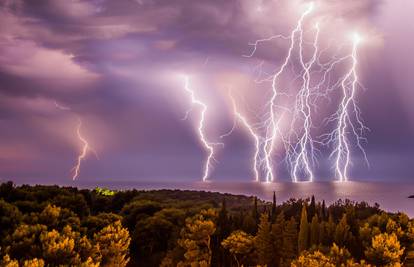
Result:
[[118, 66]]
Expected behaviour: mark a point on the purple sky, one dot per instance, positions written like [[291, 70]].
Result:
[[116, 65]]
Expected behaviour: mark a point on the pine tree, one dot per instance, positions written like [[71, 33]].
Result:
[[385, 250], [314, 231], [196, 239], [263, 241], [240, 245], [113, 242], [303, 238]]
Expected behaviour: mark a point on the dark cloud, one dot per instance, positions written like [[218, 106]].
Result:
[[115, 64]]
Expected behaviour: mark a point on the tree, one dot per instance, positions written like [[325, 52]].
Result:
[[330, 230], [385, 250], [303, 239], [315, 259], [249, 224], [312, 208], [274, 207], [24, 243], [339, 256], [263, 241], [323, 211], [7, 262], [68, 248], [59, 249], [222, 221], [278, 228], [38, 263], [342, 233], [195, 239], [10, 217], [240, 245], [255, 212], [290, 242], [314, 231], [322, 233], [113, 241]]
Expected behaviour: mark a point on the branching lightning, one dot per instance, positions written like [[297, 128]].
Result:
[[250, 129], [345, 125], [301, 154], [316, 79], [209, 147], [272, 122]]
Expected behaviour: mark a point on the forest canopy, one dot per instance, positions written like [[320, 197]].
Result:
[[67, 226]]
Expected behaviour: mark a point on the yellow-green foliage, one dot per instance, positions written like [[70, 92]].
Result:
[[195, 239], [113, 243], [104, 191], [315, 259], [239, 244], [385, 250], [34, 263]]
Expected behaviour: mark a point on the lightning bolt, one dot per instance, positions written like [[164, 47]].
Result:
[[209, 147], [255, 137], [85, 145], [272, 128], [301, 155], [82, 155], [345, 125]]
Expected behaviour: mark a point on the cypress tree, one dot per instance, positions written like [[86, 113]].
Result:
[[222, 221], [278, 229], [263, 241], [255, 213], [322, 233], [330, 229], [342, 233], [303, 238], [323, 211], [312, 208], [314, 231], [274, 207], [290, 242]]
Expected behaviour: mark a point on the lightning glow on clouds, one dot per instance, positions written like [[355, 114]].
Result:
[[114, 61]]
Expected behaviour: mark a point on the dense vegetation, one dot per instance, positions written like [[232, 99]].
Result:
[[65, 226]]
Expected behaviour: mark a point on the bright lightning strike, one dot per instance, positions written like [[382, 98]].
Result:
[[301, 155], [348, 111], [273, 122], [85, 144], [209, 147], [82, 155], [253, 134]]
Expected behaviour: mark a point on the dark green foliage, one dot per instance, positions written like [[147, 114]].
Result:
[[263, 241], [10, 217], [303, 239], [68, 226], [314, 231]]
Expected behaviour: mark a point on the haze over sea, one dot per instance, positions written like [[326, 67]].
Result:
[[391, 196]]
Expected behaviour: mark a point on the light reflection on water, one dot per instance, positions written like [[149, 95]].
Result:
[[390, 196]]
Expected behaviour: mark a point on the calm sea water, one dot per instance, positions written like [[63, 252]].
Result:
[[391, 196]]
